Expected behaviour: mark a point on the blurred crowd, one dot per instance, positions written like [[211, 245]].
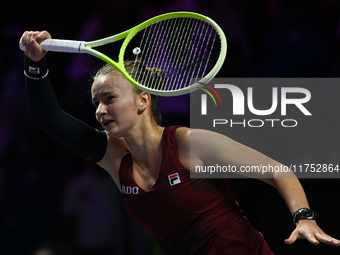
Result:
[[54, 203]]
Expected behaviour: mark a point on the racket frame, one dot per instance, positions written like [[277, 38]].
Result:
[[87, 47]]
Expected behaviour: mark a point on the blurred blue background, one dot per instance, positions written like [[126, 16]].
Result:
[[51, 198]]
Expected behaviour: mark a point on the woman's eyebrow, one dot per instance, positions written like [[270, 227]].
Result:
[[104, 94]]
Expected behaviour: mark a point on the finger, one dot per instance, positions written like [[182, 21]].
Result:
[[22, 41], [29, 38], [33, 40], [32, 47], [27, 42], [324, 238], [23, 38], [292, 238], [35, 48], [312, 239], [43, 36]]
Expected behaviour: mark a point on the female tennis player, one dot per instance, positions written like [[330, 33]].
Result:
[[151, 165]]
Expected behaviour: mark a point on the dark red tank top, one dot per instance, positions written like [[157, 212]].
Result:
[[186, 215]]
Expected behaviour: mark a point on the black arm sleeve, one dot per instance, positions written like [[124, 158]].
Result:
[[44, 109]]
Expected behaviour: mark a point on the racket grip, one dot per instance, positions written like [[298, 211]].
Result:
[[58, 45]]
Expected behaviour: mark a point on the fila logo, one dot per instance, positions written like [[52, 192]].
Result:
[[35, 70], [130, 190], [174, 179]]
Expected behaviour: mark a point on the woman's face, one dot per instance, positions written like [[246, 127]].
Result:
[[116, 104]]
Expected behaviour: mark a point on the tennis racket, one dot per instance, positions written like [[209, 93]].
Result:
[[180, 51]]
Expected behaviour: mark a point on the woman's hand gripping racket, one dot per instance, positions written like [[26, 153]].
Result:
[[185, 49]]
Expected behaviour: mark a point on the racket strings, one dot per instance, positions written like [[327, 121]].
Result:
[[138, 61], [158, 54], [208, 43], [170, 27], [174, 53], [136, 64], [190, 60], [149, 74], [181, 58]]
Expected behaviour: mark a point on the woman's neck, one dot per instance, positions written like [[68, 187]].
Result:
[[146, 143]]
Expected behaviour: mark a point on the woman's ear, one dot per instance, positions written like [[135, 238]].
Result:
[[145, 99]]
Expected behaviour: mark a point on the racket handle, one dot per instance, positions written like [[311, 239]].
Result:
[[58, 45]]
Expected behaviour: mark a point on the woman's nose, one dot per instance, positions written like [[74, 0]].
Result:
[[101, 109]]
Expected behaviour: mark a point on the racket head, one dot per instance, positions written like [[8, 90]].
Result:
[[172, 54]]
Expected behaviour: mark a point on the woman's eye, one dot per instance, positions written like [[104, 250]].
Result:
[[110, 98]]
